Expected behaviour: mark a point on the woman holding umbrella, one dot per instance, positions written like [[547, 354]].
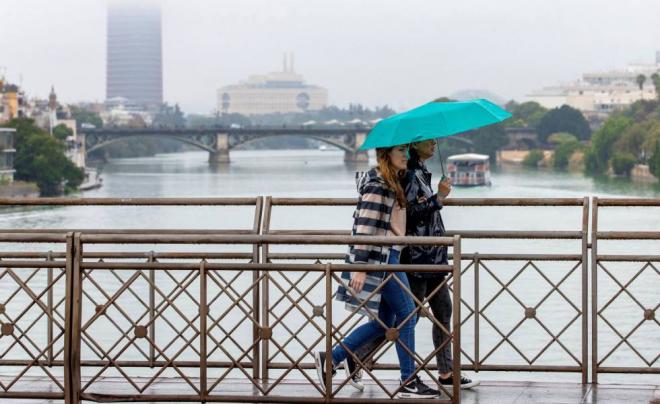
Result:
[[380, 211], [424, 219]]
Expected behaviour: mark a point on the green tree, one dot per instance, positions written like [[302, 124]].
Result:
[[655, 79], [623, 162], [488, 140], [640, 79], [533, 158], [633, 139], [563, 153], [82, 115], [598, 156], [654, 161], [61, 132], [563, 119], [40, 158], [525, 114]]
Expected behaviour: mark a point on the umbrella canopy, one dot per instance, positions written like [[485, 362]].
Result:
[[434, 120]]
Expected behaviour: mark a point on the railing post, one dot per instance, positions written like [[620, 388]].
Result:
[[585, 289], [328, 331], [152, 310], [476, 312], [51, 315], [265, 297], [594, 291], [256, 291], [456, 291], [72, 318], [203, 312]]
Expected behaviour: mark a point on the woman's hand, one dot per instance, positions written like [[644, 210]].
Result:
[[357, 281], [444, 188]]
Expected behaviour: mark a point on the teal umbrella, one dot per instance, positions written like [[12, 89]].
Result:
[[433, 120]]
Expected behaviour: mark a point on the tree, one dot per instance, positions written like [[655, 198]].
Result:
[[82, 116], [622, 163], [640, 79], [488, 140], [563, 119], [633, 139], [655, 79], [61, 132], [598, 156], [654, 161], [563, 153], [40, 158], [533, 158], [525, 114]]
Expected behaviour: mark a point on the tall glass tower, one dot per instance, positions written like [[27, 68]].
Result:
[[134, 55]]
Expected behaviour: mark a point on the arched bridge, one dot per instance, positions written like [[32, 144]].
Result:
[[219, 141]]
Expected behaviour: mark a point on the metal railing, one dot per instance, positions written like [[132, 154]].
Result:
[[641, 312], [485, 331], [103, 314], [479, 265]]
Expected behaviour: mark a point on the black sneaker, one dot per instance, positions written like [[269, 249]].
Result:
[[417, 389], [466, 383], [349, 367], [319, 361]]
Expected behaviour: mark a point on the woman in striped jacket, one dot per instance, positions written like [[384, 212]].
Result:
[[380, 211]]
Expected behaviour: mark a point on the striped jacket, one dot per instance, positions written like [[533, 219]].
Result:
[[371, 218]]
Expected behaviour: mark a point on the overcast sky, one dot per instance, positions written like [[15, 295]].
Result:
[[375, 52]]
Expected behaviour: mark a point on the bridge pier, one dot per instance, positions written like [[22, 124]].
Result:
[[355, 156], [221, 154]]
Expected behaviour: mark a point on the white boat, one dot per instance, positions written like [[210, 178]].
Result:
[[469, 169], [92, 180]]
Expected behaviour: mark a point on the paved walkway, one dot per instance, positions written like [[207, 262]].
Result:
[[496, 392]]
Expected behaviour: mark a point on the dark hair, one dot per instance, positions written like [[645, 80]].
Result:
[[414, 156], [390, 174]]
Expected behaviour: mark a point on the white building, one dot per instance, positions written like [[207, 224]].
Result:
[[282, 92], [600, 93]]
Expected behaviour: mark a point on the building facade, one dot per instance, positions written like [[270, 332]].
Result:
[[7, 155], [12, 101], [600, 93], [134, 52], [282, 92]]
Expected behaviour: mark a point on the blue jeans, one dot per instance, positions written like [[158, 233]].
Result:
[[395, 306]]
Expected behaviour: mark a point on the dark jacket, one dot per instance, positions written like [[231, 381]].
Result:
[[423, 218], [371, 218]]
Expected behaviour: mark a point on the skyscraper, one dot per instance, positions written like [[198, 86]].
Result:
[[134, 55]]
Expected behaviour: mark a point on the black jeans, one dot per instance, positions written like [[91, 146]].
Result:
[[441, 306]]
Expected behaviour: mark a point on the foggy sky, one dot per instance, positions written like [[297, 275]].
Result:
[[375, 52]]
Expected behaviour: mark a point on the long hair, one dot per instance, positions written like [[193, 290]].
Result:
[[414, 156], [390, 174]]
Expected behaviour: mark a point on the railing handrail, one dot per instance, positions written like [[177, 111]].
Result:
[[264, 239], [520, 202], [129, 201]]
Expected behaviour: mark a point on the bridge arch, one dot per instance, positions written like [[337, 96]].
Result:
[[332, 142], [105, 142], [218, 141]]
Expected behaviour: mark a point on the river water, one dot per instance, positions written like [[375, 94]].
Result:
[[312, 173]]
